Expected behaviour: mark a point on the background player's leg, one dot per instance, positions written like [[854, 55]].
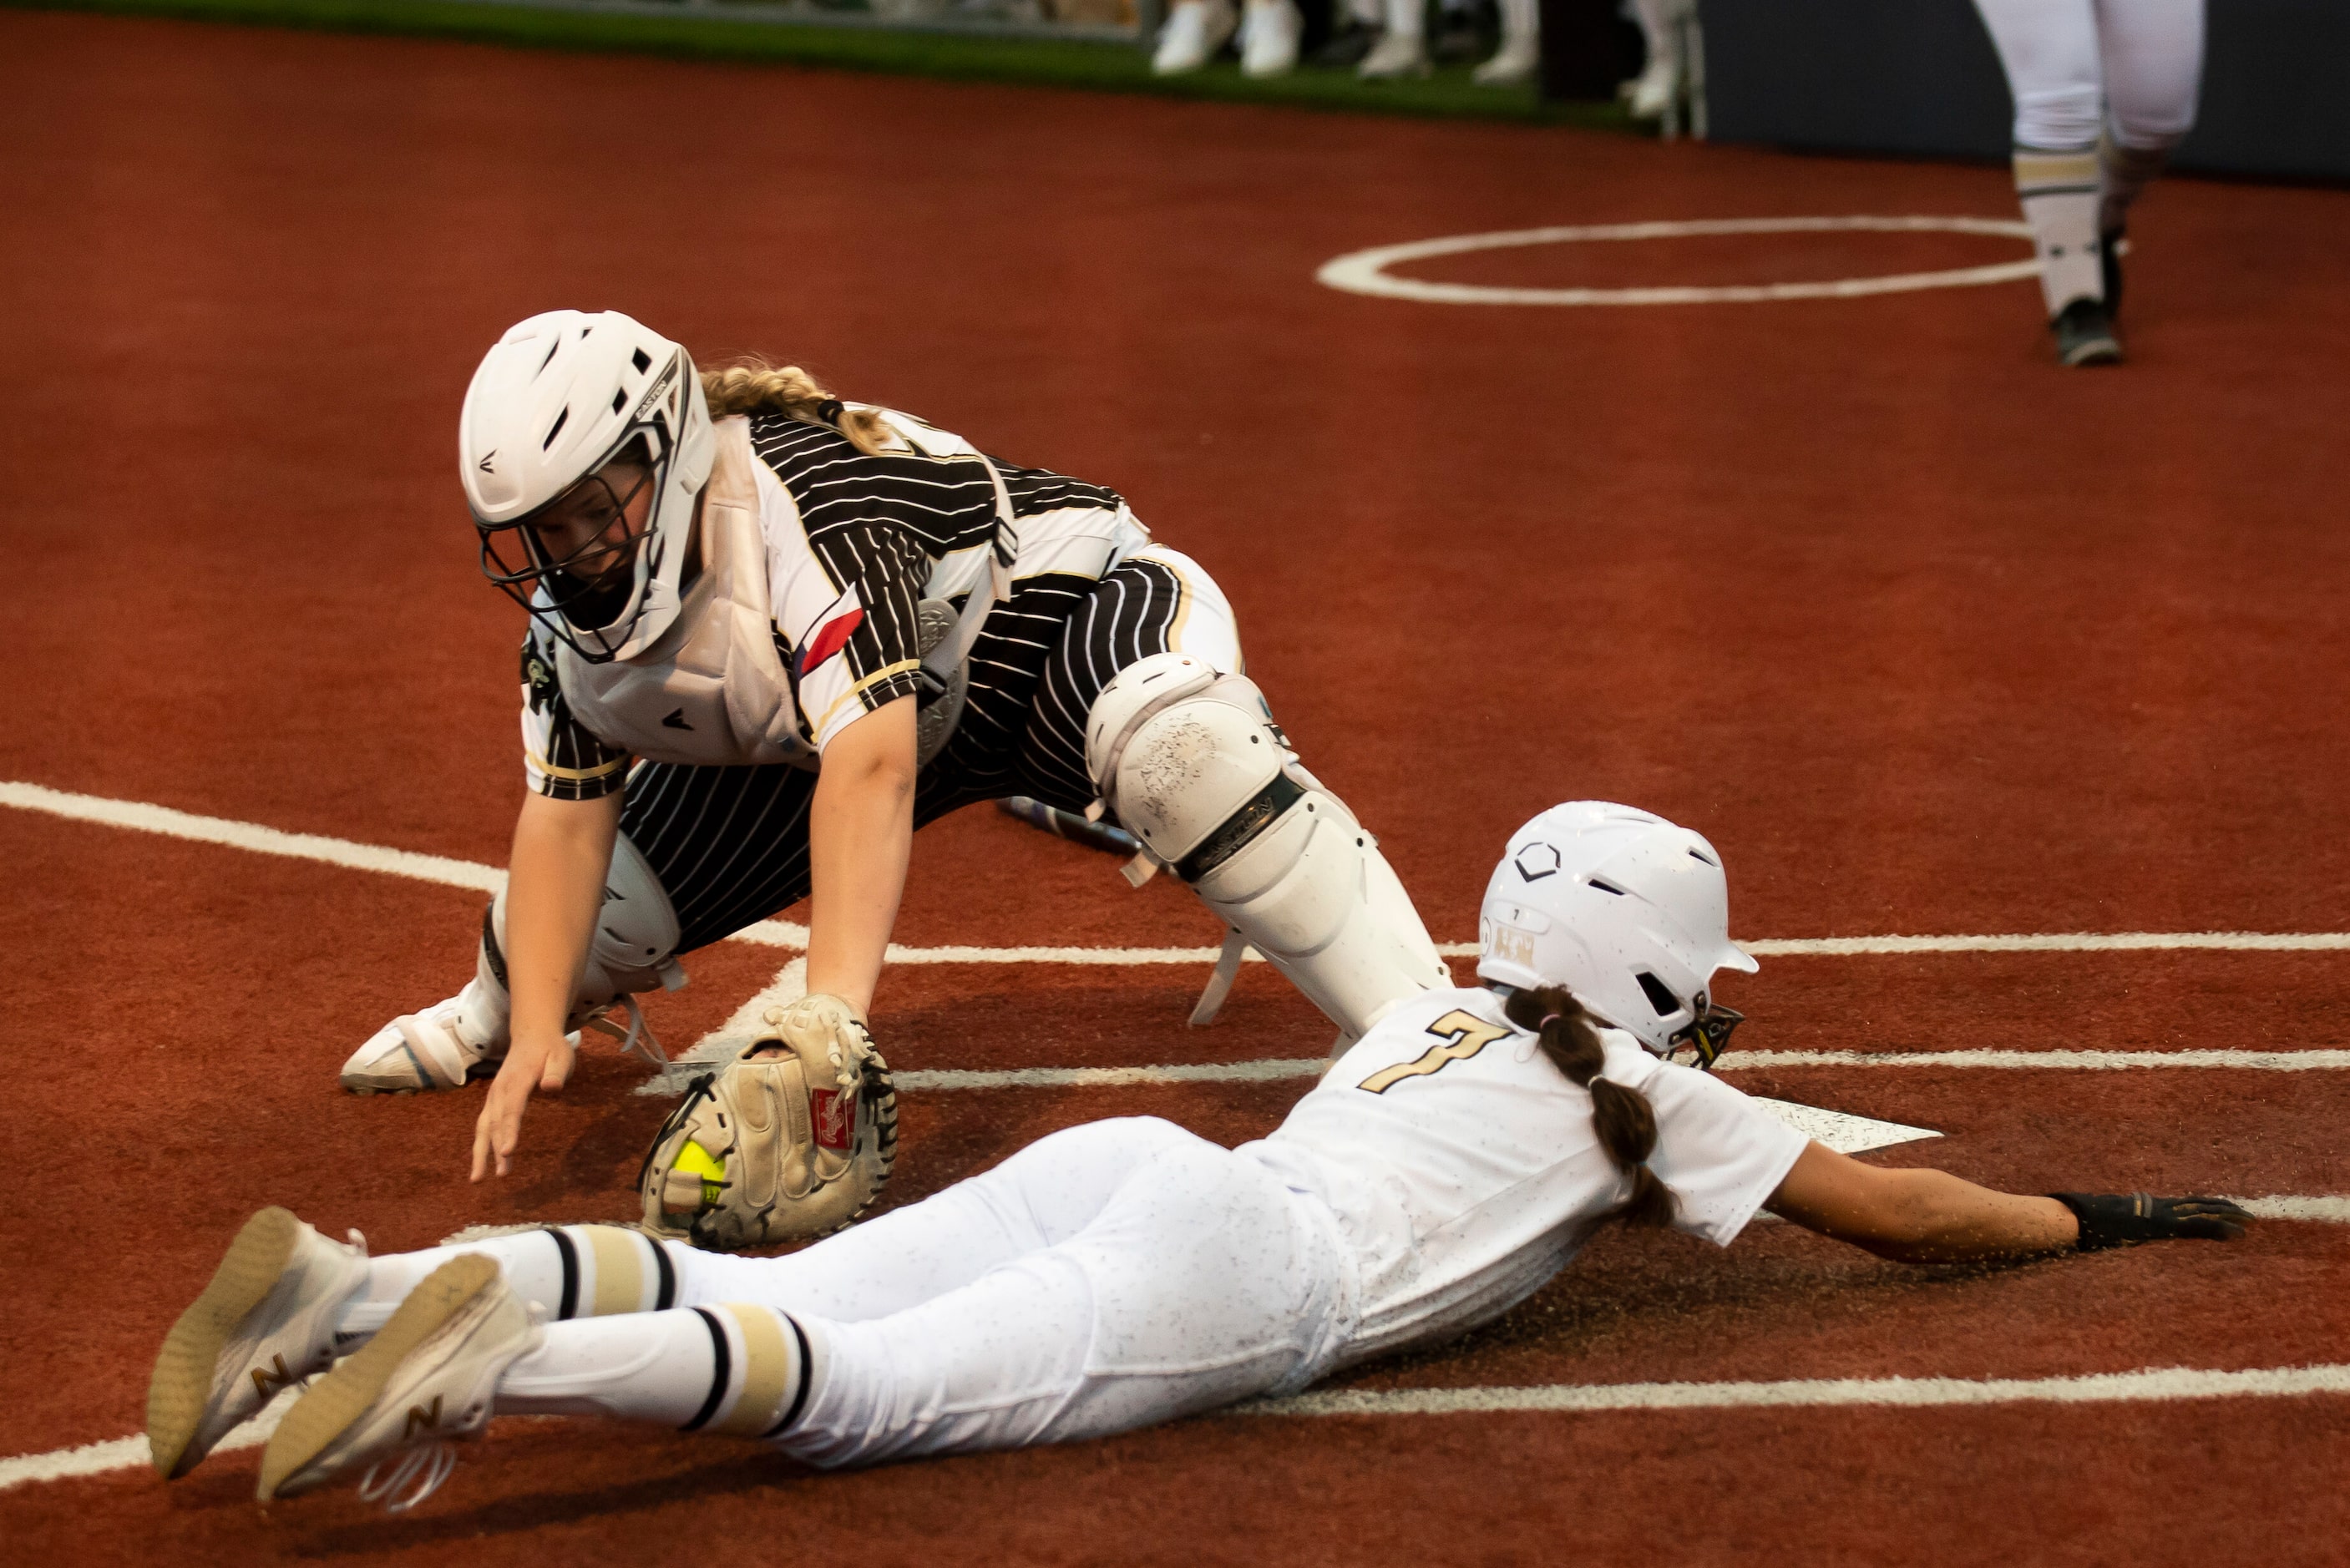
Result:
[[2152, 52], [2049, 48]]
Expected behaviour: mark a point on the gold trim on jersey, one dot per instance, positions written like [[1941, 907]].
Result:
[[884, 673], [577, 775]]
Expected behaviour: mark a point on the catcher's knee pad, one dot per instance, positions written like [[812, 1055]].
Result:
[[633, 950], [1193, 765]]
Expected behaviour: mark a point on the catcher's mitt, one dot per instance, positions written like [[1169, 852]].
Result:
[[777, 1149]]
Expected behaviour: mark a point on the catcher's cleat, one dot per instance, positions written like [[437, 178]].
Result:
[[427, 1376], [438, 1048], [2085, 335], [266, 1322]]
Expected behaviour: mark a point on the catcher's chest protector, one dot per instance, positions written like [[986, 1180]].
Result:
[[712, 692]]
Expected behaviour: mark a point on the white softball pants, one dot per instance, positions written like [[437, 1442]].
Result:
[[2071, 63], [1106, 1277]]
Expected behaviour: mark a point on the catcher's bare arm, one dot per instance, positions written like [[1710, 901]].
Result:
[[861, 831], [555, 884]]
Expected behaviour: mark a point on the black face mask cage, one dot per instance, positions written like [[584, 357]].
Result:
[[580, 609], [1708, 1034]]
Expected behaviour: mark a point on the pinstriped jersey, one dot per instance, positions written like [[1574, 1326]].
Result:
[[854, 542]]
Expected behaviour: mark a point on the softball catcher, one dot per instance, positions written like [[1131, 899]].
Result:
[[770, 634]]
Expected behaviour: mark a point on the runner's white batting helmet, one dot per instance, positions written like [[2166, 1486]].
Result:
[[560, 396], [1623, 908]]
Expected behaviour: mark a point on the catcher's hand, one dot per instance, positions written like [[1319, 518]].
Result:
[[796, 1138]]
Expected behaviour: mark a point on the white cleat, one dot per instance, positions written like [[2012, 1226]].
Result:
[[1269, 38], [1195, 30], [428, 1377], [1395, 56], [434, 1049], [1652, 93], [266, 1322], [1511, 64]]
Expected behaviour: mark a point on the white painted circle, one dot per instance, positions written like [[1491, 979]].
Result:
[[1365, 272]]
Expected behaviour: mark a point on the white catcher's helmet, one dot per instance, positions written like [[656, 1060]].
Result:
[[561, 395], [1626, 910]]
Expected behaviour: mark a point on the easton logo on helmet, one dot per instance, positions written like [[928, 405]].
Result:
[[1536, 861]]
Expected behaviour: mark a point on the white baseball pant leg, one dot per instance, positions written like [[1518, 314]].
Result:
[[2072, 65], [1108, 1276]]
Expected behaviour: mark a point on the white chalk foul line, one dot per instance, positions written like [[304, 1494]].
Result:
[[2054, 1060], [1737, 1061], [139, 817], [2152, 1384], [128, 1453]]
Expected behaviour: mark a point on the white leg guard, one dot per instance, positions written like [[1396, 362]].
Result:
[[1193, 765], [633, 951]]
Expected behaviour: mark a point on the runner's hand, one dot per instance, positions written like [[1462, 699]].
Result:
[[2126, 1218]]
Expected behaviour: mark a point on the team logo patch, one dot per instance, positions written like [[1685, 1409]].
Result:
[[835, 1114], [834, 628], [1510, 944]]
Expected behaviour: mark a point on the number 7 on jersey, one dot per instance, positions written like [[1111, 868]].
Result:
[[1463, 1034]]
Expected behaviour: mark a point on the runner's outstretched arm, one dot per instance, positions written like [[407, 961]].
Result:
[[1918, 1216]]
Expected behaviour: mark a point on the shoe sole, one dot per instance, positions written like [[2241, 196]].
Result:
[[347, 1393], [2088, 354], [183, 1382]]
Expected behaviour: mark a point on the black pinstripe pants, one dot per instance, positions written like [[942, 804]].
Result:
[[731, 845]]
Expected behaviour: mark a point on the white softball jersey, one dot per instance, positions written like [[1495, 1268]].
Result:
[[1464, 1170], [1124, 1273]]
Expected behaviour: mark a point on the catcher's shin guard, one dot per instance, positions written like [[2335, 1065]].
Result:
[[632, 950], [1192, 764]]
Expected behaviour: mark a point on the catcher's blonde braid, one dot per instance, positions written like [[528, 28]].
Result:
[[753, 386], [1620, 1114]]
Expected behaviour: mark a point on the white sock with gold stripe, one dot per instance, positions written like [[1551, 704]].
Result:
[[573, 1271], [732, 1369], [2060, 191]]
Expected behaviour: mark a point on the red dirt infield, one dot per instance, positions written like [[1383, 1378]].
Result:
[[1928, 635]]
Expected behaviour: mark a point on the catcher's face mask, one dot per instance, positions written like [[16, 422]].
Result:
[[1707, 1035], [579, 551]]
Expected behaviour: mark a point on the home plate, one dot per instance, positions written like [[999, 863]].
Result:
[[1845, 1134]]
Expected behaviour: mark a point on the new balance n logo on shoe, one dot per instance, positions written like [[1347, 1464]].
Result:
[[421, 1419], [271, 1379]]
